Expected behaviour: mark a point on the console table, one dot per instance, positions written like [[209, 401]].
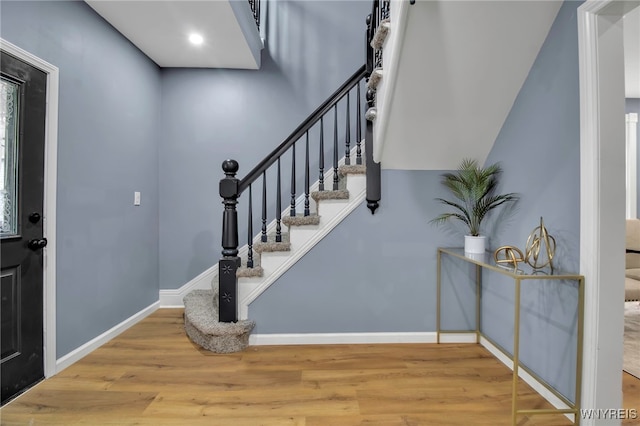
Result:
[[523, 272]]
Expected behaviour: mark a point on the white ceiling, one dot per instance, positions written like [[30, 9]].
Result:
[[160, 29], [461, 67]]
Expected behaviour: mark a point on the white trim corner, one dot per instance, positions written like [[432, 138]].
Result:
[[341, 338], [526, 377], [173, 298]]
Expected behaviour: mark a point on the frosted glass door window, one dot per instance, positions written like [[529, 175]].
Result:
[[9, 157]]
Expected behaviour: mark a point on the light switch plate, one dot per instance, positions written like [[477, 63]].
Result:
[[136, 198]]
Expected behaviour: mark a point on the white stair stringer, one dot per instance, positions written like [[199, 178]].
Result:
[[303, 239]]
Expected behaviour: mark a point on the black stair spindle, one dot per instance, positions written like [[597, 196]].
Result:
[[321, 156], [358, 129], [278, 207], [347, 136], [292, 211], [306, 175], [263, 238], [250, 231], [335, 147]]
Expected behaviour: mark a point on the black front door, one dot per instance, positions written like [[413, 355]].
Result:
[[22, 134]]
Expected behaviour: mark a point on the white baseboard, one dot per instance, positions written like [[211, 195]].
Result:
[[340, 338], [457, 337], [93, 344], [357, 338], [172, 298], [526, 377]]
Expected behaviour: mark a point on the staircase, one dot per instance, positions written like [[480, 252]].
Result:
[[218, 319]]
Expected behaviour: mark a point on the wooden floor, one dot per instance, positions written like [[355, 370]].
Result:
[[153, 375]]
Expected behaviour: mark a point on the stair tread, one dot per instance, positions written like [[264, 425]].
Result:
[[200, 310], [246, 272], [375, 78], [352, 169], [301, 220], [271, 245], [381, 34], [340, 194]]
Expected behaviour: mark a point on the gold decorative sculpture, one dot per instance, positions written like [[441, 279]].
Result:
[[535, 255], [508, 255]]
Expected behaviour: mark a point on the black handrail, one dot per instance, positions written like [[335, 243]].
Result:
[[302, 129]]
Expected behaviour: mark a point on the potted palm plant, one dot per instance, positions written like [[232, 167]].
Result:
[[473, 188]]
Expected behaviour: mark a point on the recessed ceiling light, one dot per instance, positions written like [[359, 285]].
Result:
[[196, 39]]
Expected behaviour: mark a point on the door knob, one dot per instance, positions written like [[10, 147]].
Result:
[[37, 243], [34, 217]]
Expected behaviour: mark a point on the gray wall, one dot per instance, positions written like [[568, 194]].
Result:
[[377, 273], [210, 115], [370, 274], [107, 249], [539, 149], [633, 105]]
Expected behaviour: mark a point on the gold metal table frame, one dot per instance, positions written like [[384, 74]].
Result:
[[482, 262]]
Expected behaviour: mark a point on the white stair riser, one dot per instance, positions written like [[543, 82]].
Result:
[[330, 209], [246, 286], [298, 235], [270, 261], [356, 183]]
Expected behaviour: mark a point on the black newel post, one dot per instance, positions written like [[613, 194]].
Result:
[[228, 282], [373, 168]]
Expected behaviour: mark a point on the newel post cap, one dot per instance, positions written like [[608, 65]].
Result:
[[229, 184]]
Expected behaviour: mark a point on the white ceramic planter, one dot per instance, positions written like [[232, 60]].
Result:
[[474, 244]]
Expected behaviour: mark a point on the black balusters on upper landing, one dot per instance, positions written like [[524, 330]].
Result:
[[255, 9], [381, 11]]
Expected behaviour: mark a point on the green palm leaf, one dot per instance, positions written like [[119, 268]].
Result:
[[473, 188]]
